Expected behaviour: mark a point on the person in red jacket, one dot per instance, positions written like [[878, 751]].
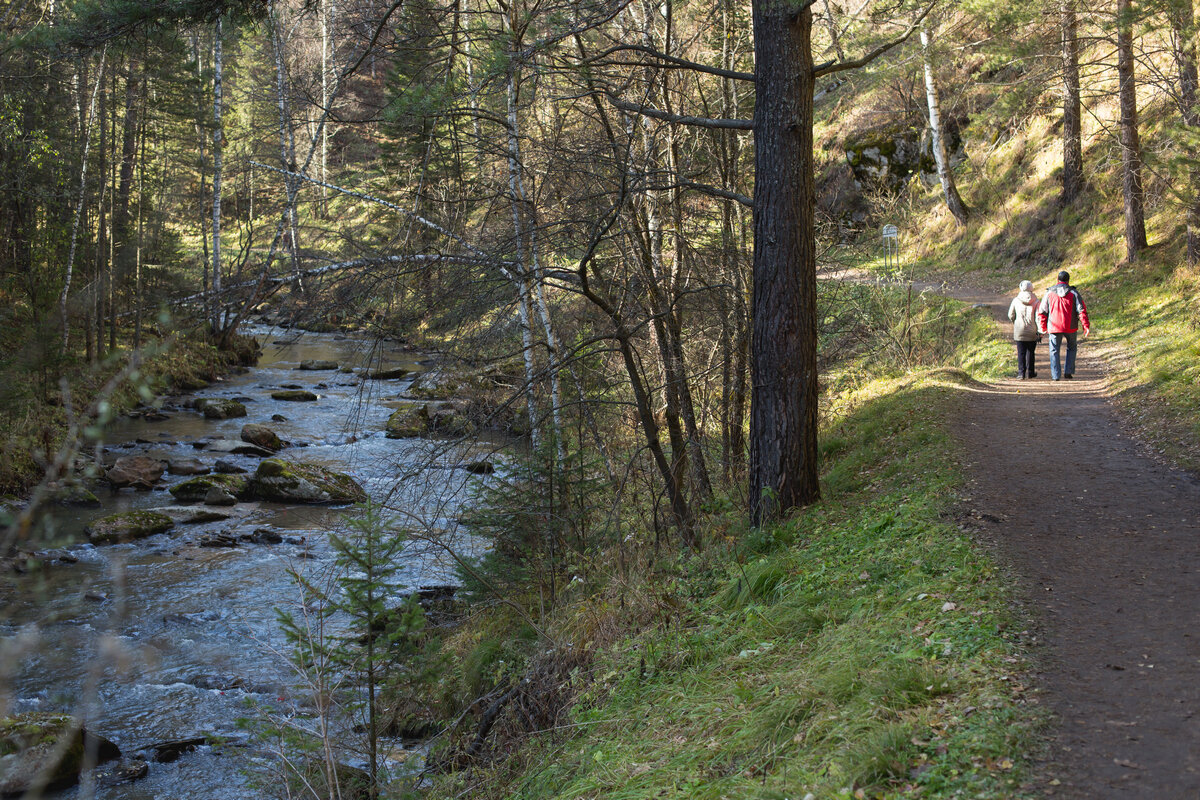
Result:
[[1060, 314]]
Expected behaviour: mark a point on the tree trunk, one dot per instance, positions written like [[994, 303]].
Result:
[[218, 145], [525, 305], [87, 142], [953, 201], [287, 147], [783, 404], [1072, 178], [1183, 30], [1131, 149], [831, 26], [129, 129]]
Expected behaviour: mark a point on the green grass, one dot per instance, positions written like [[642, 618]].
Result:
[[863, 646]]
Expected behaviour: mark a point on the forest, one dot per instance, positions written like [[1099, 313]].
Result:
[[606, 398]]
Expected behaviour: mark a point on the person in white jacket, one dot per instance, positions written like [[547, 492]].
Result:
[[1023, 314]]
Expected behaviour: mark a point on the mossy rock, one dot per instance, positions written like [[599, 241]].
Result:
[[261, 436], [195, 490], [76, 496], [127, 526], [294, 395], [302, 482], [187, 383], [405, 423], [317, 365], [33, 753], [448, 420], [220, 408]]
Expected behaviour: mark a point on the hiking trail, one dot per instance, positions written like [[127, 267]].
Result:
[[1105, 540]]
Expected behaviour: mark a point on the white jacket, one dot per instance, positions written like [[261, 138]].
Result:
[[1023, 313]]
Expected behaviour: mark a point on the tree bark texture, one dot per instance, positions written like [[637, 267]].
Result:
[[783, 404], [1072, 177], [1131, 148], [953, 200]]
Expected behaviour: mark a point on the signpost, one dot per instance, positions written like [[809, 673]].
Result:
[[891, 246]]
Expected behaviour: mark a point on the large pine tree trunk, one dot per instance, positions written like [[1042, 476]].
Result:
[[1183, 29], [953, 200], [1072, 177], [1131, 148], [783, 405]]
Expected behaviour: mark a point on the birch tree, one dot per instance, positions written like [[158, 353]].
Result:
[[941, 158]]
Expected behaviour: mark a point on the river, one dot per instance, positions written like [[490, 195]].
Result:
[[163, 639]]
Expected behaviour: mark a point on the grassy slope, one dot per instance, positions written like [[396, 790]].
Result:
[[865, 648]]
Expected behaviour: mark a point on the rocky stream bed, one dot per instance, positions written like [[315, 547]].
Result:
[[155, 620]]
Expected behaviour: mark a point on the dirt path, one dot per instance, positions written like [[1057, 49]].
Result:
[[1107, 541]]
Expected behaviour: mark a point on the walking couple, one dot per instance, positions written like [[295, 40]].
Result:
[[1060, 314]]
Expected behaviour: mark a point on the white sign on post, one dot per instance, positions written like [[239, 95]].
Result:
[[891, 246]]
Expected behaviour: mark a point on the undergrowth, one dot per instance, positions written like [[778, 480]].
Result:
[[863, 648]]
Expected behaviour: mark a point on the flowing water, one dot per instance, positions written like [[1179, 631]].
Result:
[[163, 639]]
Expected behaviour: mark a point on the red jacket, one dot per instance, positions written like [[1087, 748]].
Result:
[[1062, 310]]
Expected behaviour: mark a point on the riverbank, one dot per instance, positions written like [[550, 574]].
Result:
[[35, 415], [867, 647]]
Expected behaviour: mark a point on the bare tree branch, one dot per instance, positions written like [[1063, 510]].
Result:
[[673, 61], [830, 67], [702, 122]]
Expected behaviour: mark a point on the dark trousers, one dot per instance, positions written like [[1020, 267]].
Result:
[[1025, 352]]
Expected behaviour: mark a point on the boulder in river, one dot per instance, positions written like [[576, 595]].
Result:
[[218, 496], [317, 365], [187, 466], [228, 468], [294, 395], [303, 482], [75, 496], [166, 752], [43, 750], [236, 447], [261, 436], [127, 770], [140, 472], [220, 408], [278, 418], [482, 467], [196, 490], [405, 423], [191, 515], [388, 374], [127, 526]]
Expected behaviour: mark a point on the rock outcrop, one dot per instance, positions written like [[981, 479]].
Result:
[[888, 157]]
